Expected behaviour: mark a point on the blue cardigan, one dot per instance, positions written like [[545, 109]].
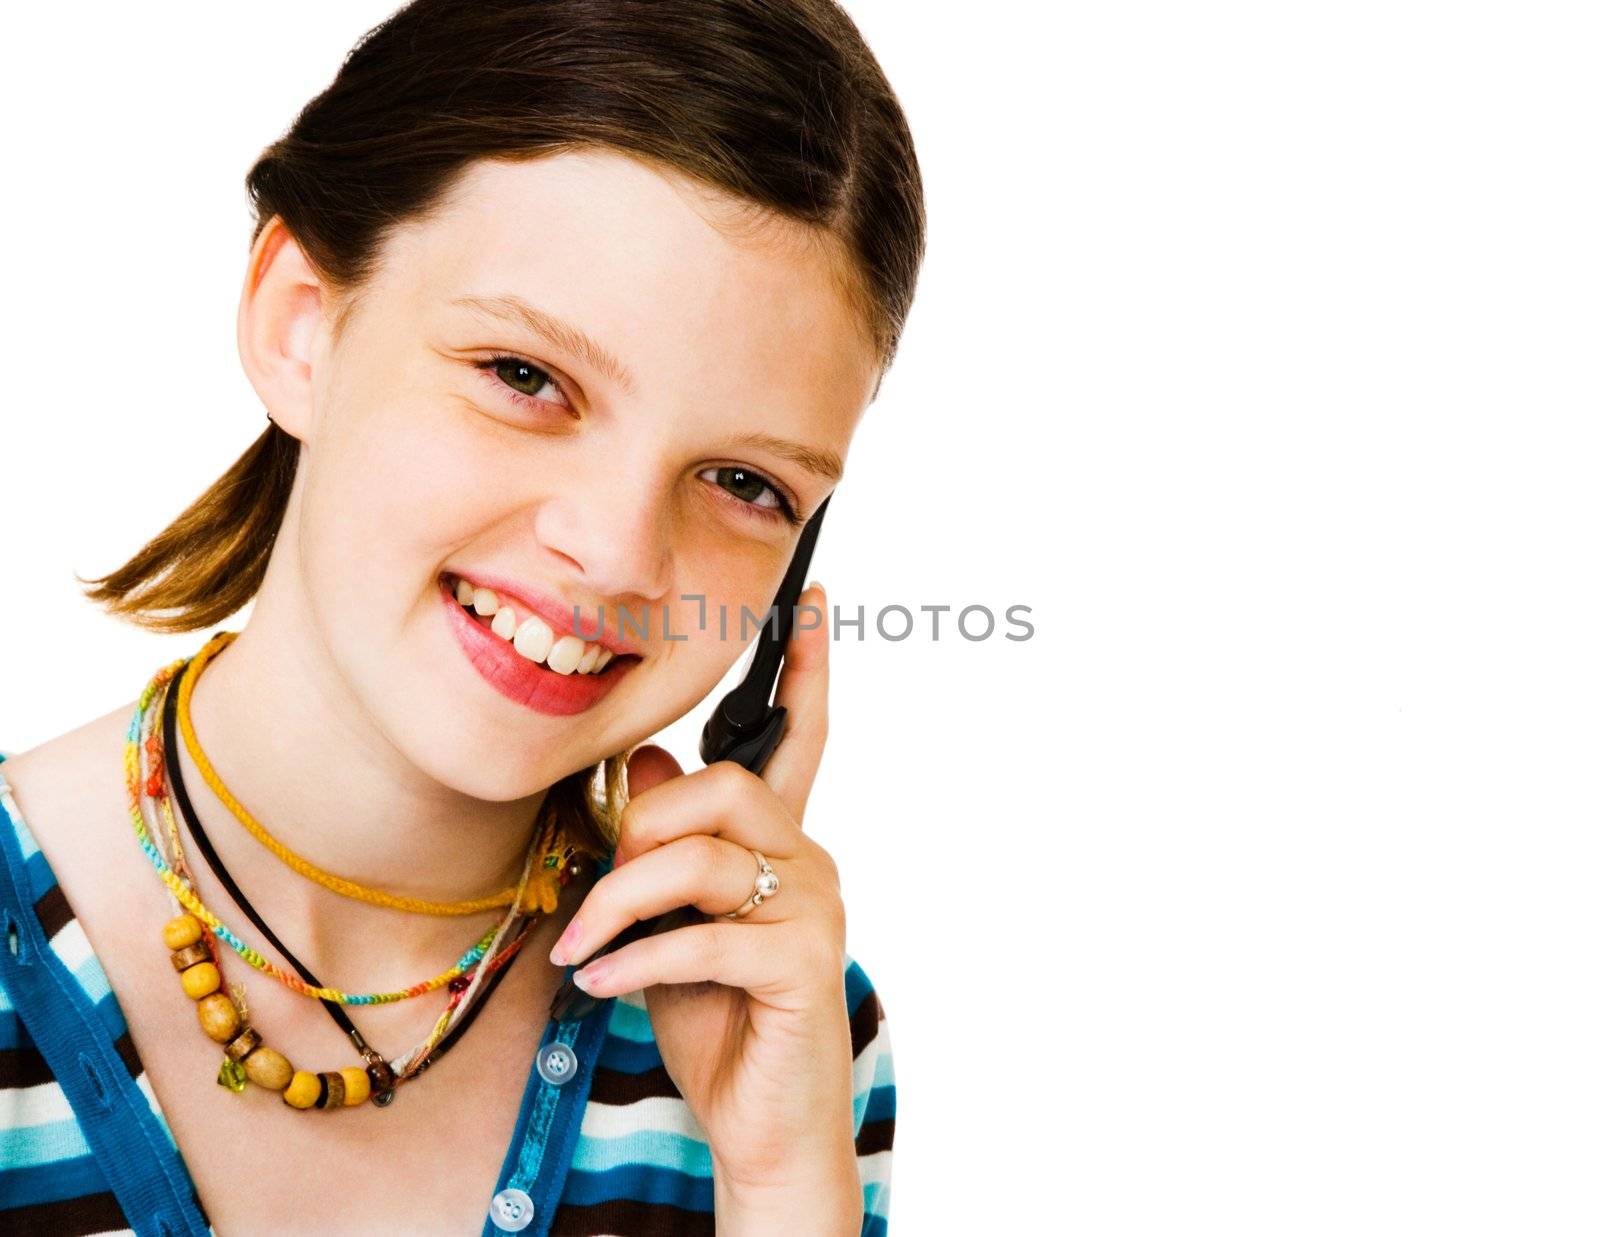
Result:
[[85, 1147]]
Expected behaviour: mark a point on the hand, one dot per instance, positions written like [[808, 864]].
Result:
[[749, 1014]]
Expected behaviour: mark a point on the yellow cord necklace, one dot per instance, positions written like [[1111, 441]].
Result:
[[543, 891]]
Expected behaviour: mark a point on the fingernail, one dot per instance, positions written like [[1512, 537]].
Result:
[[591, 975], [563, 948]]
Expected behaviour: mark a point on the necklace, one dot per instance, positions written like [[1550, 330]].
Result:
[[382, 1095], [186, 895], [349, 888], [245, 1057], [192, 938]]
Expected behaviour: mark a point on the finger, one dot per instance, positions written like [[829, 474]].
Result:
[[723, 799], [766, 960], [803, 691], [707, 873]]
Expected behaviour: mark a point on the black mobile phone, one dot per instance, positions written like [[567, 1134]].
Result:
[[744, 727]]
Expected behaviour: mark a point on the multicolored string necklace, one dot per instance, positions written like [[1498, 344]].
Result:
[[191, 901], [192, 937], [246, 1058], [384, 1089]]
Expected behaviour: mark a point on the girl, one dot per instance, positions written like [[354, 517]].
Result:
[[563, 315]]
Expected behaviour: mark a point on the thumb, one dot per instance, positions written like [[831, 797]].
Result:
[[803, 691], [649, 766]]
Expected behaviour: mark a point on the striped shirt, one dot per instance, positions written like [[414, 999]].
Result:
[[612, 1148]]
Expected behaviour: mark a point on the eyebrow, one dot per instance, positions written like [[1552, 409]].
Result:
[[826, 464], [509, 307]]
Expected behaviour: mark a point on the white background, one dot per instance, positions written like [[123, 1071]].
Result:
[[1255, 350]]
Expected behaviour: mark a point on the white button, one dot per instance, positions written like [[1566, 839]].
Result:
[[511, 1210], [557, 1063]]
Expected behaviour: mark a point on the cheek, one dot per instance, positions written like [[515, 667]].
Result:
[[399, 488], [376, 512], [721, 605]]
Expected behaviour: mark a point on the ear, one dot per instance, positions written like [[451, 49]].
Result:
[[280, 328]]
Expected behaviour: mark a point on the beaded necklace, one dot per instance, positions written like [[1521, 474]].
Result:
[[382, 1095], [247, 1059], [185, 894], [195, 955]]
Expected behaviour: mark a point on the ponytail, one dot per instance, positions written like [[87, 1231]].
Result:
[[211, 560]]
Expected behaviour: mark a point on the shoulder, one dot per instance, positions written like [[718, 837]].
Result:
[[60, 804], [873, 1094], [873, 1072], [865, 1006], [67, 794], [83, 876], [61, 1026]]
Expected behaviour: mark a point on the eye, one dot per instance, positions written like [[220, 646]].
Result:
[[752, 491], [518, 379]]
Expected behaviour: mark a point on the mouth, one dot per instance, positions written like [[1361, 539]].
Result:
[[522, 656]]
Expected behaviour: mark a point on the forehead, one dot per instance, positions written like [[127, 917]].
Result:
[[665, 272]]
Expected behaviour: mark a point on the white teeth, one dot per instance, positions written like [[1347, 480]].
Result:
[[534, 638], [565, 654]]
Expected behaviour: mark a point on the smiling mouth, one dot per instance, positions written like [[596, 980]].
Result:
[[529, 635]]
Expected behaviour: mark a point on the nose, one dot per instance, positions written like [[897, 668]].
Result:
[[617, 539]]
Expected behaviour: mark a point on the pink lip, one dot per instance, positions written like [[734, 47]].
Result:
[[559, 616], [526, 682]]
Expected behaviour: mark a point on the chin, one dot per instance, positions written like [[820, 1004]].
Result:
[[494, 770]]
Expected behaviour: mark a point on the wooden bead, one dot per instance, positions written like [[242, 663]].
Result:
[[269, 1068], [184, 930], [247, 1042], [357, 1086], [380, 1076], [303, 1089], [219, 1016], [332, 1091], [183, 959], [201, 979]]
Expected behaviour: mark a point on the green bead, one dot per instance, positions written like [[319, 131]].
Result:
[[231, 1075]]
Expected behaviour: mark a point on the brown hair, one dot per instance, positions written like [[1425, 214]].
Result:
[[777, 103]]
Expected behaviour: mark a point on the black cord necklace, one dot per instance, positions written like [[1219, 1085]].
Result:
[[378, 1068]]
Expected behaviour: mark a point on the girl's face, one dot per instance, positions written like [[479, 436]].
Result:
[[570, 385]]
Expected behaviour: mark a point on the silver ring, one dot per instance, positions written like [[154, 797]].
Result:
[[766, 887]]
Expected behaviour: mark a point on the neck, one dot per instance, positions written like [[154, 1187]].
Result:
[[296, 750]]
